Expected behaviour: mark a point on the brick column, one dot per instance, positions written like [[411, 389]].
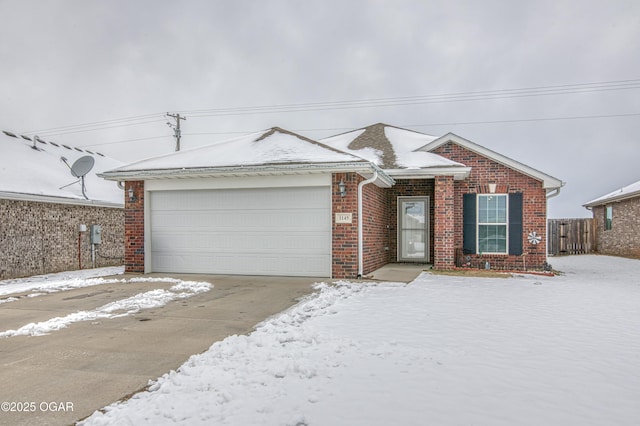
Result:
[[444, 223], [134, 227], [345, 235]]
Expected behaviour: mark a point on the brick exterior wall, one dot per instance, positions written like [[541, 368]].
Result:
[[134, 228], [446, 225], [345, 235], [40, 238], [375, 227], [483, 172], [623, 239]]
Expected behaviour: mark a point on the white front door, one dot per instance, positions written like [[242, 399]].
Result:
[[413, 229]]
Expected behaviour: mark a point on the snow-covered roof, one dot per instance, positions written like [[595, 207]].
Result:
[[273, 146], [271, 151], [41, 174], [397, 151], [548, 182], [629, 191]]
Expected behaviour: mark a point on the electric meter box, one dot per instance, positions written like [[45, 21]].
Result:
[[96, 234]]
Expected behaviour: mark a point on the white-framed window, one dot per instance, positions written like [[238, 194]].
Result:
[[493, 223]]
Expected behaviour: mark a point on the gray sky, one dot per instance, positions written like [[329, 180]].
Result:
[[68, 63]]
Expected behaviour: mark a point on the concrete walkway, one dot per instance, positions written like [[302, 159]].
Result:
[[398, 272], [90, 364]]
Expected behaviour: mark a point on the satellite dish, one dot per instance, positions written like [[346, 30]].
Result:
[[82, 166]]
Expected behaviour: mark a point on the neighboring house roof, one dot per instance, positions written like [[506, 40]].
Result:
[[548, 182], [34, 170], [396, 150], [271, 151], [629, 191]]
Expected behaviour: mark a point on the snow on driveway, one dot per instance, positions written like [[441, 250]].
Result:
[[52, 283], [442, 350]]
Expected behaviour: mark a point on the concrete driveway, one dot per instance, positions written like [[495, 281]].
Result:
[[63, 377]]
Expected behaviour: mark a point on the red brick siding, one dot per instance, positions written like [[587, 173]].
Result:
[[408, 188], [484, 171], [345, 236], [134, 228], [445, 223], [623, 239], [375, 226]]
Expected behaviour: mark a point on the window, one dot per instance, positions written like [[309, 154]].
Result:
[[608, 217], [492, 223]]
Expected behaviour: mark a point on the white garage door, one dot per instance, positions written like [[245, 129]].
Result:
[[257, 231]]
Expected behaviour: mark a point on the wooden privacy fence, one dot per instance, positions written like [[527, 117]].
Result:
[[571, 236]]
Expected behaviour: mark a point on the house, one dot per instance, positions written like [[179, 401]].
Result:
[[617, 221], [278, 203], [43, 204]]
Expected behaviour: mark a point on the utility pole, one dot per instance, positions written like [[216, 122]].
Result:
[[176, 127]]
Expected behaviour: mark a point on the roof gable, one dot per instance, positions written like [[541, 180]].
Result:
[[548, 182], [34, 169], [624, 193]]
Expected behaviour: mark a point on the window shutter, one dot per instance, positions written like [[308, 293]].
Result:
[[515, 223], [469, 223]]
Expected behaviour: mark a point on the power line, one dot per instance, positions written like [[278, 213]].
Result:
[[337, 129], [51, 130], [565, 89], [425, 99]]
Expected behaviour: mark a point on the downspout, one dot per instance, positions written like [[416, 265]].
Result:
[[553, 193], [360, 238]]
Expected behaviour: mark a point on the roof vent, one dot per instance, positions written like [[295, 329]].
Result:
[[13, 135]]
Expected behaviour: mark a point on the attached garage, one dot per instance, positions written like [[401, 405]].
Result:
[[245, 231]]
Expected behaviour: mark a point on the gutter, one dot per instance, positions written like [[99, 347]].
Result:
[[553, 193], [123, 175], [17, 196], [360, 237]]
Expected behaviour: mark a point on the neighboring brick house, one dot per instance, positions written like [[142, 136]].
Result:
[[617, 220], [42, 206], [277, 203]]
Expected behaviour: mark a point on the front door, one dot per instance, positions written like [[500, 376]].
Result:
[[413, 229]]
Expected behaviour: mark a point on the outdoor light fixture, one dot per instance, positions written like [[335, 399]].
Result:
[[132, 197], [343, 188]]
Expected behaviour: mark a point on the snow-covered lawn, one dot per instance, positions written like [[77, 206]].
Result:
[[442, 350]]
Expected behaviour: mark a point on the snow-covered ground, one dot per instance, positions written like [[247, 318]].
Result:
[[442, 350]]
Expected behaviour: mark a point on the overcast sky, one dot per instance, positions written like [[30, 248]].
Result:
[[95, 63]]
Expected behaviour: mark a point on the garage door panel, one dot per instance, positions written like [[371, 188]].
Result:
[[227, 264], [267, 231], [219, 242]]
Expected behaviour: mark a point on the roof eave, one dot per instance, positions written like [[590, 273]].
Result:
[[612, 199], [364, 168], [19, 196], [458, 173]]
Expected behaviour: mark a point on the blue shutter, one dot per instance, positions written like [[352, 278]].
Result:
[[515, 223], [469, 223]]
